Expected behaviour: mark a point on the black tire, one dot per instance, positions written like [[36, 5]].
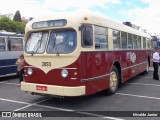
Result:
[[147, 69], [113, 81]]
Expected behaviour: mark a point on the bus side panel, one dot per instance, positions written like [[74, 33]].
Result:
[[91, 69], [141, 59], [8, 66], [125, 65], [3, 69], [96, 67], [13, 67], [136, 67], [7, 62]]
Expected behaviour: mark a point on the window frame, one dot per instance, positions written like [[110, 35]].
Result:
[[16, 44], [130, 40], [31, 52], [101, 31], [126, 39], [70, 30], [117, 36], [4, 45], [82, 36]]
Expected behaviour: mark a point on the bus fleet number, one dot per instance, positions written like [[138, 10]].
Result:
[[46, 64]]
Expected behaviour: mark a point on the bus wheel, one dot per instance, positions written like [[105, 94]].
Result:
[[147, 69], [113, 81]]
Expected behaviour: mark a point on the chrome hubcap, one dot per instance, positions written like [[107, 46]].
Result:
[[113, 80]]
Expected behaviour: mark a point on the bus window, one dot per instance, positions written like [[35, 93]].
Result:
[[149, 43], [62, 41], [101, 37], [16, 44], [36, 42], [87, 35], [144, 43], [139, 42], [135, 41], [130, 43], [116, 40], [2, 44], [124, 40]]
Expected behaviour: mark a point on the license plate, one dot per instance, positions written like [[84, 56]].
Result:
[[41, 88]]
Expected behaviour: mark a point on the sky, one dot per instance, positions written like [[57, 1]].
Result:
[[143, 13]]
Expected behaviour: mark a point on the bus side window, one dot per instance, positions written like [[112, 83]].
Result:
[[116, 40], [2, 44], [87, 35], [15, 44], [124, 40], [101, 37], [149, 44], [144, 43], [139, 42], [9, 45], [130, 42], [135, 41]]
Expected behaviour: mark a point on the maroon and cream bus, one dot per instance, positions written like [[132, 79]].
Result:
[[82, 54]]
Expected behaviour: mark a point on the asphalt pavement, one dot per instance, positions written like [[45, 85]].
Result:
[[138, 98]]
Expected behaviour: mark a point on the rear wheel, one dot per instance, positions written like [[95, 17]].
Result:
[[147, 68], [113, 81]]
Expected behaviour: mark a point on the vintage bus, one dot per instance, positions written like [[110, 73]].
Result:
[[11, 46], [82, 54]]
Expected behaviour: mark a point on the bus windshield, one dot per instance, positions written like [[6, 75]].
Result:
[[62, 42], [36, 42]]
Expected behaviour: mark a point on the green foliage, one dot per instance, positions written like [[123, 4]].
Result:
[[20, 26], [11, 26], [17, 16]]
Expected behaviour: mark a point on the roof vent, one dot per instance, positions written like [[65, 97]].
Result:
[[128, 24]]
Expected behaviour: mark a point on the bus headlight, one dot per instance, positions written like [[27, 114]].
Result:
[[29, 71], [64, 73]]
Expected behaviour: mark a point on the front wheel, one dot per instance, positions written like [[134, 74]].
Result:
[[113, 81]]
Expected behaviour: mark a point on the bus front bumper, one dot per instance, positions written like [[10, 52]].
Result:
[[53, 89]]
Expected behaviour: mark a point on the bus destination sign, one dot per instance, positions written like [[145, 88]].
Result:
[[50, 23]]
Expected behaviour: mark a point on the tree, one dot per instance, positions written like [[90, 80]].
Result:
[[11, 26], [17, 16], [20, 26], [7, 24]]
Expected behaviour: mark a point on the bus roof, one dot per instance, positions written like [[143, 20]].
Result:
[[89, 18], [11, 34]]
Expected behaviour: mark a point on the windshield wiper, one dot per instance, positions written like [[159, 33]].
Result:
[[56, 45], [37, 46], [57, 49]]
